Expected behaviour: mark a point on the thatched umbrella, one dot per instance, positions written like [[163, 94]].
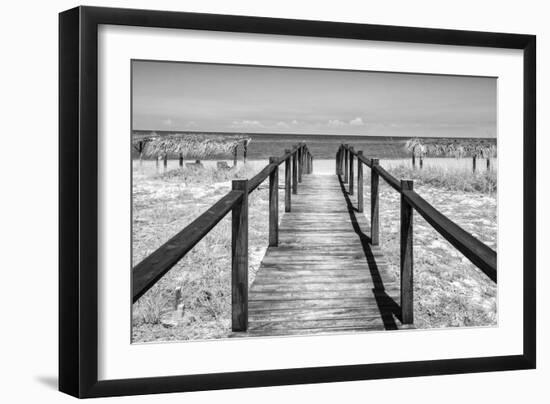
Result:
[[140, 142], [417, 149], [196, 146], [475, 148]]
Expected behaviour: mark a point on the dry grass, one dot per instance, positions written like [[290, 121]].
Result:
[[449, 179], [165, 204], [449, 290]]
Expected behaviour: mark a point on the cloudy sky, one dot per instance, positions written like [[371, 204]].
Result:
[[229, 98]]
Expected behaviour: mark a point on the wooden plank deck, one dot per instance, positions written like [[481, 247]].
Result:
[[324, 276]]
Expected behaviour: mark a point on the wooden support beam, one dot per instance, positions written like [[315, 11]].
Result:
[[181, 160], [351, 174], [287, 182], [239, 259], [300, 163], [295, 172], [274, 204], [360, 203], [407, 306], [374, 199], [346, 164]]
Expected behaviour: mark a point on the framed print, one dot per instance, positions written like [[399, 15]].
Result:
[[251, 201]]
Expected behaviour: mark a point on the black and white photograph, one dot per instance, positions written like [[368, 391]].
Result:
[[273, 201]]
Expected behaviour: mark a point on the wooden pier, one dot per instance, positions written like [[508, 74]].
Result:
[[324, 276], [323, 271]]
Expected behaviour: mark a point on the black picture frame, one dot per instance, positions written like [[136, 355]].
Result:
[[78, 201]]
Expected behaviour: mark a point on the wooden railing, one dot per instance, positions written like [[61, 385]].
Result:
[[477, 252], [156, 265]]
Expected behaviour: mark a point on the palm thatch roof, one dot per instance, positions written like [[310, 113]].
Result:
[[195, 146], [480, 148]]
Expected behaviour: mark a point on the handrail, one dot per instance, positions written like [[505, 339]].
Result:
[[390, 179], [481, 255], [152, 268], [476, 251]]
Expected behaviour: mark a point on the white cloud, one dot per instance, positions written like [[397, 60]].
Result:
[[246, 123], [357, 122], [294, 122], [335, 123], [190, 124], [281, 124], [167, 122]]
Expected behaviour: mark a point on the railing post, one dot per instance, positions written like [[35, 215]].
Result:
[[295, 172], [346, 166], [300, 163], [350, 171], [407, 312], [311, 163], [287, 182], [239, 259], [341, 161], [336, 162], [274, 205], [374, 224], [360, 204]]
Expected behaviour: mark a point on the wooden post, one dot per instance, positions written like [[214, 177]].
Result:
[[374, 223], [235, 157], [360, 204], [295, 172], [157, 161], [239, 259], [300, 163], [181, 159], [350, 171], [165, 161], [346, 164], [287, 182], [274, 205], [421, 162], [311, 163], [474, 164], [414, 160], [407, 312], [488, 163], [336, 162]]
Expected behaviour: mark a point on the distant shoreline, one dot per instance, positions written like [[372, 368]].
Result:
[[257, 135]]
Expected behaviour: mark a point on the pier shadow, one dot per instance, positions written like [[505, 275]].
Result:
[[386, 305]]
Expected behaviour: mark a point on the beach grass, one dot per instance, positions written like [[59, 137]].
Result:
[[449, 290], [449, 179]]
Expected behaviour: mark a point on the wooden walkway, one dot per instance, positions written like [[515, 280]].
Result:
[[324, 276]]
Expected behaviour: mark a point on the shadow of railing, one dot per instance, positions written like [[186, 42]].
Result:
[[386, 305]]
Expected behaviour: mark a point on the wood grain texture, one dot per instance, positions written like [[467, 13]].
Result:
[[273, 205], [324, 276], [406, 255], [239, 259]]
